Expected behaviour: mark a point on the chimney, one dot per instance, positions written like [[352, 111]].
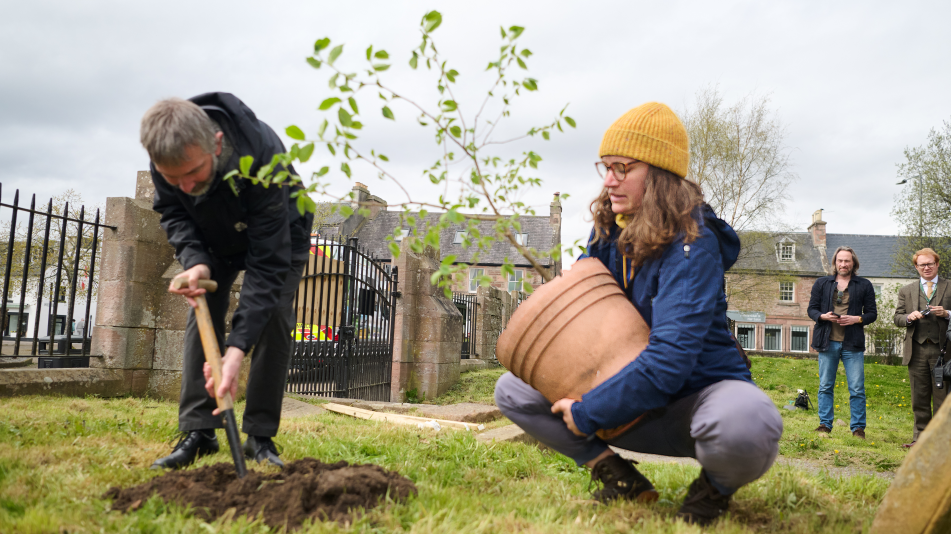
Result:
[[818, 230], [360, 194], [554, 220], [353, 223]]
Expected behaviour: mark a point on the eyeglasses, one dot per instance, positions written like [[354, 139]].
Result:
[[838, 298], [619, 169], [925, 265]]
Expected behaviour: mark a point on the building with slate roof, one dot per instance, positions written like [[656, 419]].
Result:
[[769, 288], [539, 232]]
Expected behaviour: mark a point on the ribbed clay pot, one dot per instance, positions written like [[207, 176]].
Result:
[[573, 333]]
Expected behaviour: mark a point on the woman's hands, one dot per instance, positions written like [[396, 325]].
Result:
[[564, 408]]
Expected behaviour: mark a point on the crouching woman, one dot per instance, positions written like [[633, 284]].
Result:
[[690, 390]]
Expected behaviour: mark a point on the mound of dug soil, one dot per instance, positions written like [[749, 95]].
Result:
[[307, 488]]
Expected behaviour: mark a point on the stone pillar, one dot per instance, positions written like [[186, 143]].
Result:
[[554, 220], [427, 331], [134, 257], [490, 320]]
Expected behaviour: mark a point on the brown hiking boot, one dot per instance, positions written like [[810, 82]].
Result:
[[620, 479], [859, 433], [823, 428], [703, 503]]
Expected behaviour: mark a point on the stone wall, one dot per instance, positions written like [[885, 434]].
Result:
[[427, 332], [494, 309]]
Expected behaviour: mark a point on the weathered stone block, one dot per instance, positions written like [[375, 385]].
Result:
[[135, 261], [165, 384], [126, 304], [169, 350], [171, 311], [436, 379], [135, 221], [439, 352], [72, 382], [123, 348]]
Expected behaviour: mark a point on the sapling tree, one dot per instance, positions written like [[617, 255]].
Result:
[[469, 183]]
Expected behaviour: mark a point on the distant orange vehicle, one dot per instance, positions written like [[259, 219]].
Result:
[[314, 333]]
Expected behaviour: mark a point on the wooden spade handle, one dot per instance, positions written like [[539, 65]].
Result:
[[208, 285], [209, 341]]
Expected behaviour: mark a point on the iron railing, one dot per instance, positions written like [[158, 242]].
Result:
[[28, 267], [345, 308], [468, 306]]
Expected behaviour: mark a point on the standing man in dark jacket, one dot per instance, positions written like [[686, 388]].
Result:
[[923, 311], [218, 230], [841, 305]]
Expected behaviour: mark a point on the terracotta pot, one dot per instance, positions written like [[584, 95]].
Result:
[[573, 333]]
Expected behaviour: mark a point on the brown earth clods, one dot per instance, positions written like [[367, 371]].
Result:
[[307, 488]]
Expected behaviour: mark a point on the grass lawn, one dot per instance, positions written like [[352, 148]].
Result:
[[58, 456]]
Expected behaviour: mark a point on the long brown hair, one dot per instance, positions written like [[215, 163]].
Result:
[[666, 211]]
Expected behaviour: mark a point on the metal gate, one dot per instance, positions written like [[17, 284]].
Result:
[[345, 308], [467, 304]]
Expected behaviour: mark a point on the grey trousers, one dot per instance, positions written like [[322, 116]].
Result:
[[926, 399], [731, 427], [270, 358]]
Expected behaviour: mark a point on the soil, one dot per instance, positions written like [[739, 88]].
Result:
[[305, 489]]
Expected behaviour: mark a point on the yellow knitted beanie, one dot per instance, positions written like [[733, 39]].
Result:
[[651, 133]]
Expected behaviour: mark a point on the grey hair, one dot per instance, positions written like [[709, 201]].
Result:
[[855, 260], [171, 125]]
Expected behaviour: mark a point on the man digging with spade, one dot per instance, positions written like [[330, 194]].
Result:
[[217, 232]]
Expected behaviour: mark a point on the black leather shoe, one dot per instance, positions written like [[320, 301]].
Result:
[[190, 446], [262, 449], [703, 503], [621, 480]]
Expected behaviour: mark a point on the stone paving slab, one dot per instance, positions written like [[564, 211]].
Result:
[[507, 433], [466, 412], [292, 408]]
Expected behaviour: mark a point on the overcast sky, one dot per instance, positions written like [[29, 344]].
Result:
[[854, 82]]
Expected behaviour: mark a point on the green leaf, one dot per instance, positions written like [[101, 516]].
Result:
[[353, 105], [503, 31], [449, 105], [384, 158], [295, 133], [423, 214], [546, 135], [526, 52], [387, 113], [330, 147], [514, 32], [245, 164], [314, 62], [323, 170], [381, 67], [431, 21], [381, 55], [449, 260], [346, 169], [527, 288], [334, 54], [521, 63], [369, 52], [570, 121], [321, 44], [455, 216], [455, 131], [328, 103], [394, 249], [323, 128], [305, 152], [531, 84], [413, 60], [346, 211], [301, 204], [451, 75], [333, 81], [345, 119]]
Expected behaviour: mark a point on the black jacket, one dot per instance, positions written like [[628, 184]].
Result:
[[257, 231], [861, 302]]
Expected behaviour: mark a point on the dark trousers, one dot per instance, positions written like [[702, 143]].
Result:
[[924, 356], [270, 358]]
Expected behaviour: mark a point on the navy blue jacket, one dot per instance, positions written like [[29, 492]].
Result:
[[680, 296], [861, 302], [257, 230]]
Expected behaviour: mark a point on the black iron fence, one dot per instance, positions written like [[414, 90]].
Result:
[[468, 305], [345, 309], [48, 264]]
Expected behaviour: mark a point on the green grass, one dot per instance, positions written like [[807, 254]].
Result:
[[888, 416], [473, 386], [58, 456]]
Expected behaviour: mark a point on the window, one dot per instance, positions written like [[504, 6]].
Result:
[[403, 233], [474, 275], [786, 291], [773, 337], [16, 322], [878, 289], [746, 335], [515, 281], [60, 327], [787, 252], [521, 239], [458, 238], [799, 339]]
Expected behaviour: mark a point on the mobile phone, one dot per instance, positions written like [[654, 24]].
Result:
[[835, 314]]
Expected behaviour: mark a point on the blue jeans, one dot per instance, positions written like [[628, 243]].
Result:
[[854, 363]]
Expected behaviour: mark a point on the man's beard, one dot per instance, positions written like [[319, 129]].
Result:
[[202, 187]]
